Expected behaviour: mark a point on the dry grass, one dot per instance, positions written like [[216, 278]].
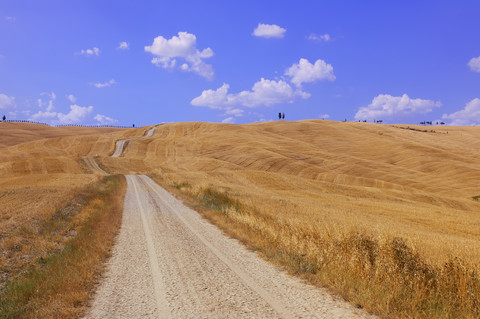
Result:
[[384, 275], [14, 133], [27, 203], [60, 283], [385, 216]]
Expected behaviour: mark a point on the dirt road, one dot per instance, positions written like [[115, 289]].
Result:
[[150, 132], [170, 263], [121, 144], [92, 165]]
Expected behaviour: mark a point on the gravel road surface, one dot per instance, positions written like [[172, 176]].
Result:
[[119, 146], [170, 263], [150, 132], [92, 165]]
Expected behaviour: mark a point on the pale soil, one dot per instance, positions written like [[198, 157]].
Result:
[[120, 145], [93, 166], [150, 132], [169, 262]]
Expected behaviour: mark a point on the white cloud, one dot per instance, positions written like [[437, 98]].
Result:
[[470, 115], [183, 46], [77, 114], [387, 106], [71, 98], [320, 37], [235, 112], [474, 64], [123, 45], [229, 120], [105, 84], [90, 52], [269, 31], [214, 99], [6, 101], [47, 104], [12, 19], [305, 72], [324, 116], [102, 119], [264, 93]]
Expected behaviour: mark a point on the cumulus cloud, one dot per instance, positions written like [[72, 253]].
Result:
[[264, 93], [90, 52], [46, 100], [12, 19], [71, 98], [320, 37], [123, 46], [104, 120], [470, 115], [6, 101], [474, 64], [77, 114], [387, 106], [305, 72], [184, 47], [229, 120], [324, 116], [269, 31], [105, 84]]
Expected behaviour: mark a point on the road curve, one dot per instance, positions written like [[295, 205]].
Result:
[[92, 165], [121, 144], [150, 132], [170, 263]]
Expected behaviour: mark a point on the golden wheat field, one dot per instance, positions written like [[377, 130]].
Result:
[[301, 182], [386, 179]]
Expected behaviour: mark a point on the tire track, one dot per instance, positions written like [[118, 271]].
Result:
[[162, 305], [92, 165], [120, 145], [169, 262]]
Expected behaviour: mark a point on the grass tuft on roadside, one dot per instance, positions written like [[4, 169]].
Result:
[[385, 276], [60, 284]]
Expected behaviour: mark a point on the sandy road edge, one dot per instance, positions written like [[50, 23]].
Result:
[[162, 304], [275, 304]]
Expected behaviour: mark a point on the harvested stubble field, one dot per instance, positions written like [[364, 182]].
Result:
[[44, 188], [384, 216]]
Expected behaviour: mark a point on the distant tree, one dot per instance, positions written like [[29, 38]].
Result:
[[4, 118], [133, 125], [279, 115], [283, 116], [442, 123]]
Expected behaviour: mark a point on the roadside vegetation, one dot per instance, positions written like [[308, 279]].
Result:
[[59, 283], [384, 275]]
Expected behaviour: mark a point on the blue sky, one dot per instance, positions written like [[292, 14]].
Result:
[[146, 62]]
